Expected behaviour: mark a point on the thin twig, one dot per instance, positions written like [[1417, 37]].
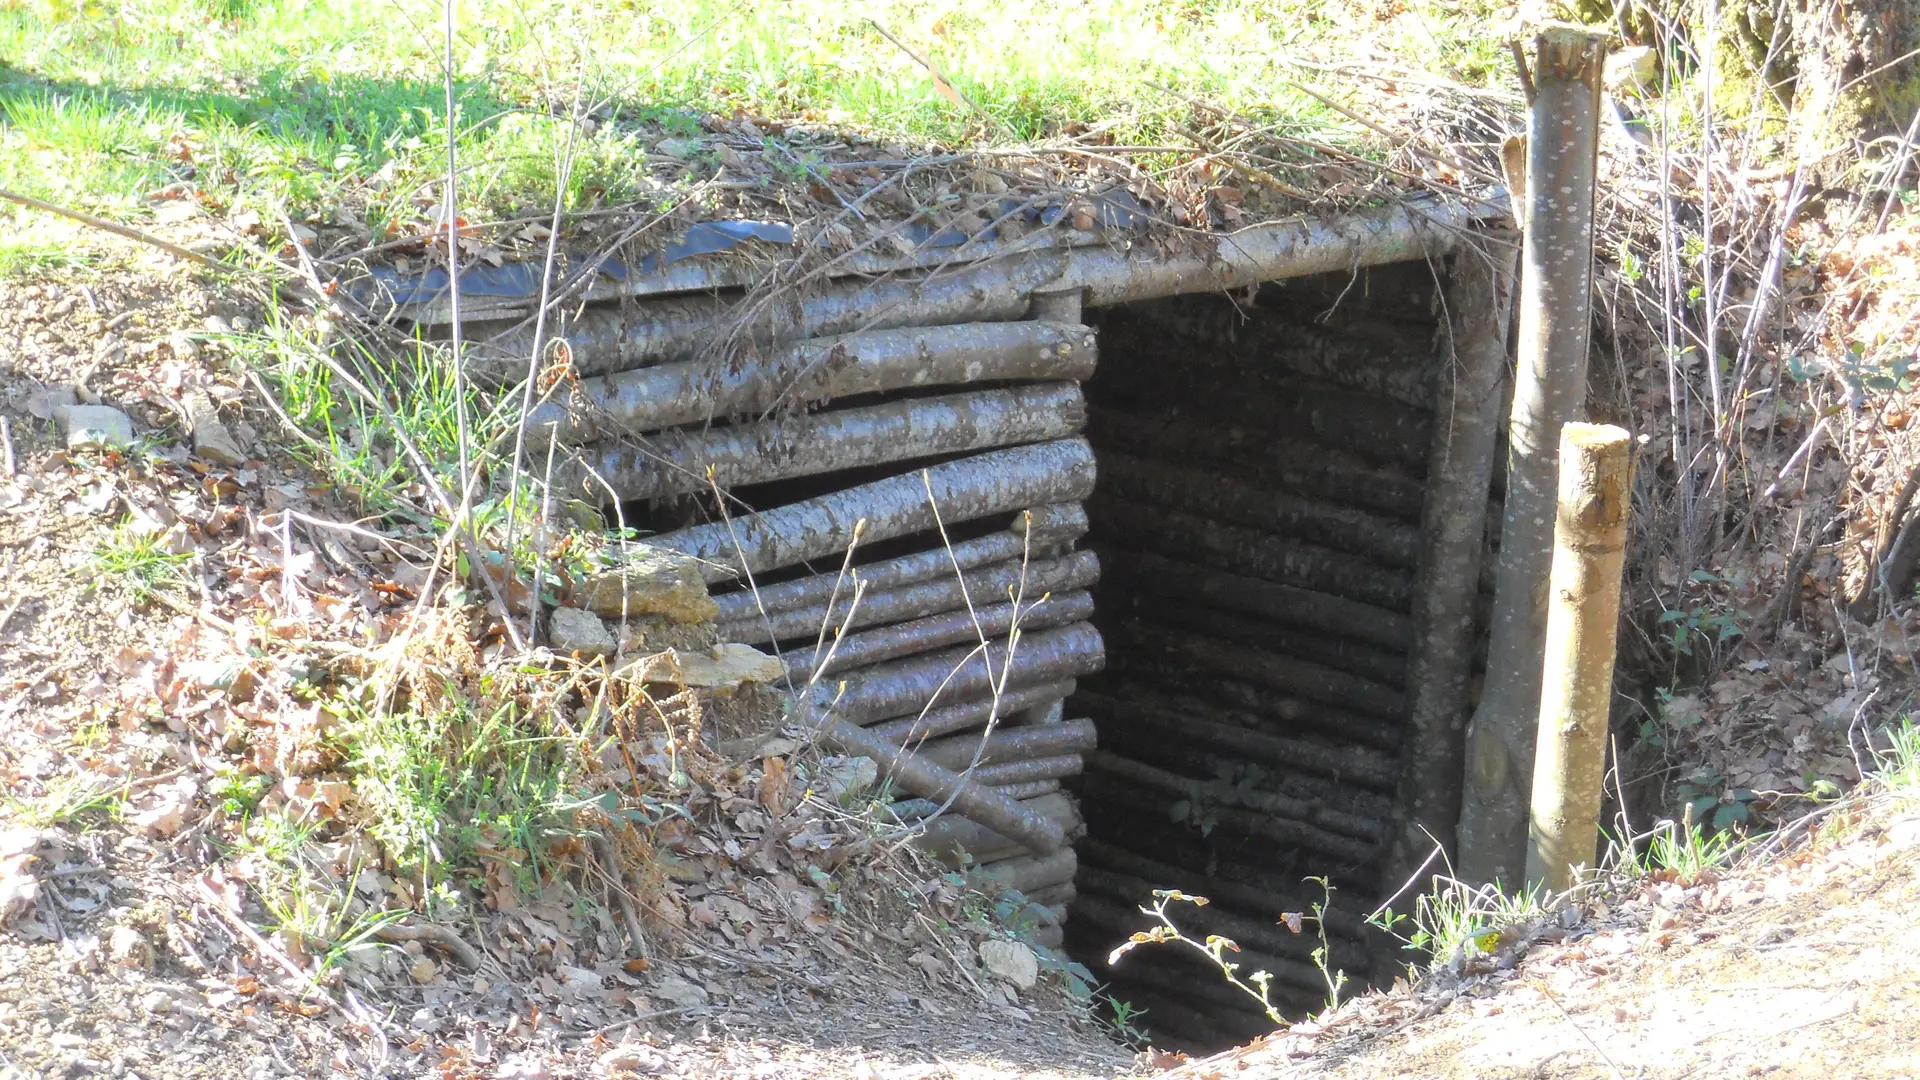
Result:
[[130, 233]]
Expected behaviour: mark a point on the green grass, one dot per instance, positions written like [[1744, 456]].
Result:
[[1898, 767], [445, 786], [30, 247], [335, 107], [140, 563]]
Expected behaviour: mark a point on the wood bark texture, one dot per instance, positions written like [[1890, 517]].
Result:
[[948, 719], [949, 628], [1015, 820], [996, 482], [1549, 390], [806, 373], [982, 586], [1048, 525], [687, 461], [1287, 604], [899, 687], [1589, 553], [1472, 388]]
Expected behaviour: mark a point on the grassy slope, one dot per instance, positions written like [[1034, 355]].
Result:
[[336, 107]]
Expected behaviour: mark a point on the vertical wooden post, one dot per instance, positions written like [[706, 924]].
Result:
[[1477, 296], [1589, 551], [1563, 135]]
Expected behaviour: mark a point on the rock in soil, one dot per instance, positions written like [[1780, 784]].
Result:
[[575, 631], [95, 427]]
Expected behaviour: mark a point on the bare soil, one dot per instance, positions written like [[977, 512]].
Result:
[[1804, 966], [133, 943]]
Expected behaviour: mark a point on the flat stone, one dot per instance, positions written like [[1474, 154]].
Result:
[[653, 582], [575, 631], [95, 427], [211, 439], [680, 992], [840, 777], [723, 665], [1010, 962]]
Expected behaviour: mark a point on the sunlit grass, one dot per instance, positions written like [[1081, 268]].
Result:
[[336, 106]]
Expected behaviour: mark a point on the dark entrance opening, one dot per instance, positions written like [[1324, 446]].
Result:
[[1257, 517]]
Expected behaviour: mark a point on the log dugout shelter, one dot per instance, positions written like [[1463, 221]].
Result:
[[1235, 496]]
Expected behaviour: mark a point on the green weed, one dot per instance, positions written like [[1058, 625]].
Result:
[[141, 563], [1686, 853], [445, 786], [69, 800], [1456, 922], [1897, 768]]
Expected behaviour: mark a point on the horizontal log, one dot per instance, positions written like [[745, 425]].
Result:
[[1371, 352], [1289, 604], [689, 460], [1101, 786], [981, 586], [626, 336], [1026, 789], [1261, 935], [1266, 899], [1250, 552], [961, 674], [960, 716], [907, 638], [1244, 704], [1047, 936], [996, 482], [1267, 252], [921, 635], [1298, 678], [961, 841], [1054, 523], [1355, 826], [1204, 992], [1030, 770], [805, 373], [1165, 613], [1384, 433], [1356, 763], [1060, 895], [1174, 1023], [1207, 493], [1193, 758], [1256, 455], [1025, 873], [1011, 744], [1021, 822]]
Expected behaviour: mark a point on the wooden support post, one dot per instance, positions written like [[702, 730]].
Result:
[[1453, 534], [1563, 138], [1589, 552]]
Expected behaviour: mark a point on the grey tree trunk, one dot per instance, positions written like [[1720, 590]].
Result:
[[908, 730], [1287, 604], [948, 628], [962, 674], [808, 372], [1011, 744], [985, 586], [1207, 493], [1478, 295], [686, 461], [1549, 390], [996, 482], [1049, 525]]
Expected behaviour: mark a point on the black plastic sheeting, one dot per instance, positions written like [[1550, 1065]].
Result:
[[1115, 209]]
